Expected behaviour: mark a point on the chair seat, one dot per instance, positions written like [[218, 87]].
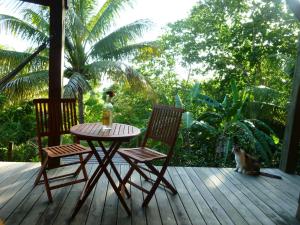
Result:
[[141, 154], [66, 150]]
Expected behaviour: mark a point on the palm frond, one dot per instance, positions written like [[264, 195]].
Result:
[[22, 29], [83, 8], [27, 85], [104, 66], [75, 28], [75, 82], [127, 51], [38, 18], [120, 38], [105, 17], [11, 59]]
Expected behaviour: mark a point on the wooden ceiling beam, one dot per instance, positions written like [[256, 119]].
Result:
[[39, 2]]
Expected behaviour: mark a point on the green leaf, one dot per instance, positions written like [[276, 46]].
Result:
[[205, 127], [187, 118], [178, 102], [235, 92], [228, 147], [208, 101], [275, 139], [195, 91]]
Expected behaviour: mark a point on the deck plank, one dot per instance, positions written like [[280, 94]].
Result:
[[177, 206], [137, 198], [110, 210], [153, 216], [227, 205], [271, 192], [164, 207], [42, 211], [97, 206], [262, 194], [209, 208], [123, 218], [15, 183], [295, 179], [217, 176], [205, 196], [66, 209], [26, 210], [8, 169], [287, 188], [246, 190], [185, 197]]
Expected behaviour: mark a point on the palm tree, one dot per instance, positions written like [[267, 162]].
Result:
[[92, 49]]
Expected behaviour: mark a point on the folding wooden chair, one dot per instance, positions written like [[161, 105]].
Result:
[[65, 111], [163, 126]]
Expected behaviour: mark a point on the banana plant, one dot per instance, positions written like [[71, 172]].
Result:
[[223, 124]]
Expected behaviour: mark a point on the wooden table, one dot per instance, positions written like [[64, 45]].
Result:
[[96, 132]]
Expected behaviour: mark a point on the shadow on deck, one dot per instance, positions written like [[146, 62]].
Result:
[[205, 196]]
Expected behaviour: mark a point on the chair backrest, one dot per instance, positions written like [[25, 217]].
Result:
[[164, 125], [63, 115]]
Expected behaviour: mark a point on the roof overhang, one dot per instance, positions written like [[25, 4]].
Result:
[[39, 2]]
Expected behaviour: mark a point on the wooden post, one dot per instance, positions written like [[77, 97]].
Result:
[[10, 151], [289, 155], [298, 210], [56, 67]]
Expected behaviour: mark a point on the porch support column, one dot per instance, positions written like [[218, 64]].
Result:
[[289, 155], [56, 65]]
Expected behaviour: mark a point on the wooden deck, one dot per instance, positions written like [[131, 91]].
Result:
[[205, 196]]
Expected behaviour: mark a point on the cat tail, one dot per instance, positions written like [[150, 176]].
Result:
[[270, 175]]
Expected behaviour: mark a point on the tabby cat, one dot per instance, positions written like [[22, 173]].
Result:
[[247, 164]]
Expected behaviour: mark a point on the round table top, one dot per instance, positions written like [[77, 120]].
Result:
[[96, 131]]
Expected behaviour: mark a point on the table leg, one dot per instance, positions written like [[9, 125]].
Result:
[[114, 169], [96, 175]]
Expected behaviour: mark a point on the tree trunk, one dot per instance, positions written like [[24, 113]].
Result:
[[80, 105]]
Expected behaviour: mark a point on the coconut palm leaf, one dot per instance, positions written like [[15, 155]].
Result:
[[75, 82], [39, 19], [74, 22], [27, 85], [102, 21], [83, 8], [11, 59], [120, 38], [129, 50], [22, 29], [103, 66]]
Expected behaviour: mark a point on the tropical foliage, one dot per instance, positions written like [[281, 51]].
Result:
[[237, 59], [93, 49], [223, 125]]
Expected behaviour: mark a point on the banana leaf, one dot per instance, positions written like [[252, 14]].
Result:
[[187, 119]]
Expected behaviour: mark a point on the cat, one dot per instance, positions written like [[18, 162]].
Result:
[[247, 164]]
